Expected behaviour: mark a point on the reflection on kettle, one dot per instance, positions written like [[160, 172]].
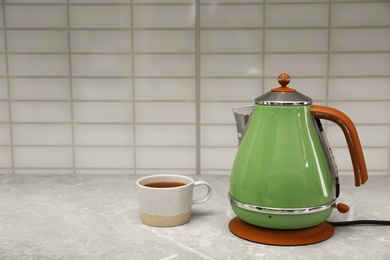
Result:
[[284, 175]]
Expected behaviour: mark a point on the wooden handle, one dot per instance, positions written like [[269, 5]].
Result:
[[351, 135]]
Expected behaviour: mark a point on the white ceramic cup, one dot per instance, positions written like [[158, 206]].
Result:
[[168, 207]]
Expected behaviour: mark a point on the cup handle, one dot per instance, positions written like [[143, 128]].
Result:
[[207, 196]]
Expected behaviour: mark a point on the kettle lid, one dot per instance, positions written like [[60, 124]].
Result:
[[283, 95]]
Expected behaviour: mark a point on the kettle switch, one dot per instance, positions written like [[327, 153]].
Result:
[[319, 124], [337, 186], [342, 208]]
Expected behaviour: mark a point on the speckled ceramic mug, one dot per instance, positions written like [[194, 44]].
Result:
[[167, 206]]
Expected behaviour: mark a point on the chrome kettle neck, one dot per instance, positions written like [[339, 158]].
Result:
[[283, 99]]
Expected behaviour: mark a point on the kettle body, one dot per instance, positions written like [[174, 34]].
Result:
[[284, 176]]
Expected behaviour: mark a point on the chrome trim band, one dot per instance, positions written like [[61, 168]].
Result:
[[282, 211], [284, 103]]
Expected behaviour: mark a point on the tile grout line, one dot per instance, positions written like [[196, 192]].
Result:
[[181, 77], [328, 60], [263, 49], [133, 87], [12, 155], [197, 89], [277, 28], [194, 53], [71, 88], [388, 151], [328, 53]]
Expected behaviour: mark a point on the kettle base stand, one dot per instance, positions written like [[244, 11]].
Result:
[[279, 237]]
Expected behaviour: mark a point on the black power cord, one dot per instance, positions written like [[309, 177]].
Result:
[[359, 222]]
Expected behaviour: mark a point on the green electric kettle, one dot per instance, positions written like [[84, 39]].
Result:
[[284, 175]]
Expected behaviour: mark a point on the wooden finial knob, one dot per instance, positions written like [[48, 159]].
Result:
[[284, 79]]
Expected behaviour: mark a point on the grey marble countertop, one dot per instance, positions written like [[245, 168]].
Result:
[[96, 217]]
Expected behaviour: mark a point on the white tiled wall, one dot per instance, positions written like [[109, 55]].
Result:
[[147, 86]]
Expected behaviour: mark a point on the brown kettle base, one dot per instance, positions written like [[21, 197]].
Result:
[[294, 237]]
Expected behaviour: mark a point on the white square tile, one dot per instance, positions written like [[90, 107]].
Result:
[[4, 112], [159, 65], [229, 1], [376, 159], [104, 157], [364, 39], [99, 1], [40, 112], [343, 159], [40, 16], [359, 64], [103, 112], [3, 89], [100, 41], [160, 158], [349, 1], [218, 158], [216, 172], [1, 16], [360, 14], [39, 89], [3, 67], [48, 171], [359, 88], [6, 171], [289, 16], [35, 1], [103, 135], [164, 41], [233, 65], [141, 172], [160, 16], [103, 171], [165, 135], [296, 1], [2, 40], [43, 157], [361, 112], [38, 64], [101, 65], [315, 88], [321, 103], [37, 41], [5, 157], [369, 135], [102, 89], [231, 16], [165, 112], [219, 41], [296, 64], [230, 89], [163, 1], [296, 40], [219, 135], [219, 112], [164, 89], [104, 16], [42, 134], [5, 134]]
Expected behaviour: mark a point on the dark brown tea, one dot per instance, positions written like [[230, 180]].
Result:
[[164, 184]]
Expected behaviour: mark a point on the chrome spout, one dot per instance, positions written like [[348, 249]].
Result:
[[242, 116]]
